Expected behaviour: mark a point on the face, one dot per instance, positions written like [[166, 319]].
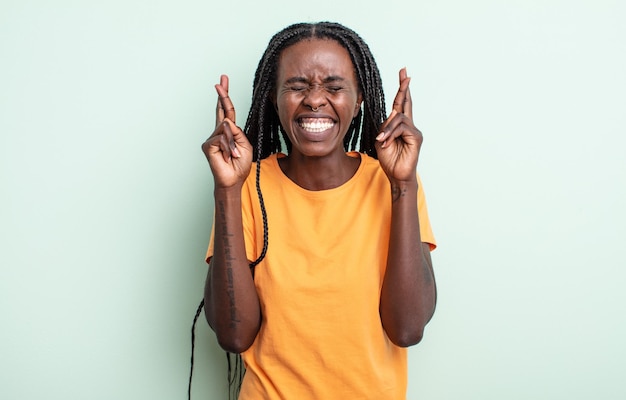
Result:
[[317, 96]]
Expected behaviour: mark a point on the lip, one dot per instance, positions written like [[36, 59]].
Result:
[[315, 115]]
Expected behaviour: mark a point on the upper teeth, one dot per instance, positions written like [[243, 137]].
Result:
[[316, 125]]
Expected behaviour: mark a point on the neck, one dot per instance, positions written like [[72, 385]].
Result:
[[319, 173]]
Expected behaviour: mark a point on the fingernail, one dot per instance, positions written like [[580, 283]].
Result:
[[236, 152], [380, 136]]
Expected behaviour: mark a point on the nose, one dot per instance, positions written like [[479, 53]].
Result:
[[315, 98]]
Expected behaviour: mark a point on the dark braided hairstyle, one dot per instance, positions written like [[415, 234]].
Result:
[[264, 130], [263, 126]]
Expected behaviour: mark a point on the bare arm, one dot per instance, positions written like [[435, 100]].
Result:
[[231, 301], [408, 293], [232, 304]]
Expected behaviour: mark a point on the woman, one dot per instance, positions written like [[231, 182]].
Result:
[[319, 265]]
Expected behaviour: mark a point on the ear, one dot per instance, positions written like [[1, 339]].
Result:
[[357, 107]]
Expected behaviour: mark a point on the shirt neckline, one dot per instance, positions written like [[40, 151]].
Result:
[[285, 180]]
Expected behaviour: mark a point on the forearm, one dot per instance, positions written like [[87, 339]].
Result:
[[232, 305], [408, 293]]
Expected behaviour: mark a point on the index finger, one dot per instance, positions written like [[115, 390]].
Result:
[[402, 102], [225, 108]]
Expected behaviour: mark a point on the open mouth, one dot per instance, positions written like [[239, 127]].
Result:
[[316, 125]]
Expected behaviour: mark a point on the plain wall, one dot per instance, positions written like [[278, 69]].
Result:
[[106, 198]]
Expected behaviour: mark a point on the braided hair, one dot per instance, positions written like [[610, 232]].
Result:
[[263, 125], [264, 130]]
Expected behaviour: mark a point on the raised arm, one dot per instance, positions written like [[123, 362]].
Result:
[[231, 302], [408, 294]]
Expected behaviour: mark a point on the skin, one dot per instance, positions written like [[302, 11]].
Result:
[[317, 75]]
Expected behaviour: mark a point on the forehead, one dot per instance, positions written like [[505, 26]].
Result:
[[309, 57]]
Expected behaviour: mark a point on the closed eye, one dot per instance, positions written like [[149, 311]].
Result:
[[297, 88], [334, 89]]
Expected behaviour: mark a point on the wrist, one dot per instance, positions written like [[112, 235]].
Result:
[[403, 189], [230, 192]]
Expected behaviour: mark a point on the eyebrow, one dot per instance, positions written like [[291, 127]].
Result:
[[299, 79]]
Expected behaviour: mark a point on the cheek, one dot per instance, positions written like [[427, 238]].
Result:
[[285, 104], [284, 110]]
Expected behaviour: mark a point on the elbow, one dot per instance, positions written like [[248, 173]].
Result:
[[235, 339], [404, 332], [238, 340], [233, 344], [407, 338]]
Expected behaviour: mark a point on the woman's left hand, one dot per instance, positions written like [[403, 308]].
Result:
[[398, 145]]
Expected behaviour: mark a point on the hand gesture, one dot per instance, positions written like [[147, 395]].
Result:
[[228, 151], [398, 145]]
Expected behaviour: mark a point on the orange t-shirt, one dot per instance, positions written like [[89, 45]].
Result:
[[319, 286]]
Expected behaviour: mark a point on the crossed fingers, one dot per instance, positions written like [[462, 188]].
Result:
[[400, 121], [224, 109], [225, 127], [402, 103]]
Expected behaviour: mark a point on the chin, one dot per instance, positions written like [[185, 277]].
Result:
[[317, 150]]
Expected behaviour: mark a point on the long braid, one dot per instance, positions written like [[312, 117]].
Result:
[[264, 129], [193, 344]]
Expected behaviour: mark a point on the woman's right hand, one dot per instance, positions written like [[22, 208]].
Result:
[[228, 150]]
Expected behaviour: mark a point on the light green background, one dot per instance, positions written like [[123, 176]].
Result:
[[106, 197]]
